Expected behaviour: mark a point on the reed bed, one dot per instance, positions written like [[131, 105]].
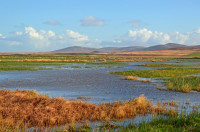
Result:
[[25, 109], [184, 84]]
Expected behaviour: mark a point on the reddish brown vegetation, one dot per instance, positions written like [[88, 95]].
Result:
[[25, 109]]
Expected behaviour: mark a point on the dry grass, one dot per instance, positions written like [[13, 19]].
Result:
[[131, 78], [186, 88], [146, 80], [24, 109], [166, 52]]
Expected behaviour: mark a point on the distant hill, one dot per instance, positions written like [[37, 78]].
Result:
[[79, 49], [164, 46], [76, 49], [120, 49]]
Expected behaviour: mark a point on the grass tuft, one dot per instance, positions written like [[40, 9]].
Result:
[[131, 78]]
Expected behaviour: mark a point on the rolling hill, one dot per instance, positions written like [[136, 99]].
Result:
[[79, 49]]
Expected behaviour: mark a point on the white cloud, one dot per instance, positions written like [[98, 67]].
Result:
[[91, 21], [1, 36], [33, 33], [33, 40], [147, 37], [76, 36]]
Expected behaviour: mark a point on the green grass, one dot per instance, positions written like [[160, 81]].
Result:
[[166, 65], [26, 63], [184, 84], [183, 123], [195, 54], [159, 73], [21, 66], [190, 123]]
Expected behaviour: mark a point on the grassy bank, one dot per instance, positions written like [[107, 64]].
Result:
[[159, 73], [184, 84], [24, 109]]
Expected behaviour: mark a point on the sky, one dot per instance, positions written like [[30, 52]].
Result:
[[47, 25]]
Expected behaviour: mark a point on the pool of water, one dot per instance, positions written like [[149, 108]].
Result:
[[95, 85]]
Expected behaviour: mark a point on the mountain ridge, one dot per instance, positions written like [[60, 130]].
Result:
[[80, 49]]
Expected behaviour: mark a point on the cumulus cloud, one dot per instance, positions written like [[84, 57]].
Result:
[[91, 21], [32, 33], [147, 37], [53, 23], [32, 40], [76, 36]]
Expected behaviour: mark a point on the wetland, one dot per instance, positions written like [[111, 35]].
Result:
[[102, 80]]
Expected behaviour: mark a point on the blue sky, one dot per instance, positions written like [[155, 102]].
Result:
[[45, 25]]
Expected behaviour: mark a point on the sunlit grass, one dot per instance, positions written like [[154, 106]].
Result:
[[131, 78], [24, 109], [159, 73], [184, 84], [167, 65], [189, 123]]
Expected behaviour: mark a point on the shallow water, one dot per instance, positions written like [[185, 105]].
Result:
[[95, 85]]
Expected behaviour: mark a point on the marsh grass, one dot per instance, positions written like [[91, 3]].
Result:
[[31, 62], [184, 84], [186, 123], [24, 109], [156, 73], [167, 65], [20, 66]]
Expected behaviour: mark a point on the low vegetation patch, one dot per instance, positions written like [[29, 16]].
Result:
[[179, 80], [195, 54], [184, 84], [167, 65], [189, 123], [24, 109], [159, 73], [20, 66]]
